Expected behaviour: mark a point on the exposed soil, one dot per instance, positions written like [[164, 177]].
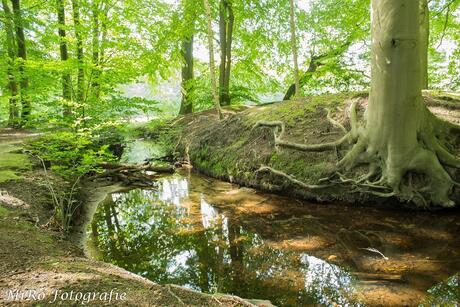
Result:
[[232, 150], [34, 256]]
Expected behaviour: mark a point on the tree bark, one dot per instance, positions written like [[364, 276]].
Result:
[[294, 49], [13, 119], [22, 54], [226, 22], [66, 80], [212, 64], [80, 54]]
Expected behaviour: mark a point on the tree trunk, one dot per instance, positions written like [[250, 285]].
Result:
[[425, 40], [401, 134], [294, 49], [22, 54], [189, 17], [312, 67], [80, 54], [13, 119], [226, 22], [66, 81], [97, 48], [187, 75], [212, 67]]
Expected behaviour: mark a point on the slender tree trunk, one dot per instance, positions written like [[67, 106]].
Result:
[[80, 54], [212, 64], [226, 22], [22, 54], [96, 29], [312, 67], [294, 49], [425, 40], [187, 75], [13, 119], [66, 80], [189, 16]]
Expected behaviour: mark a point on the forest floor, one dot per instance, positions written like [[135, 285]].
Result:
[[37, 263], [233, 150]]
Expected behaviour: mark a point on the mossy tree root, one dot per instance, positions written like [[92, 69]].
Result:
[[387, 170]]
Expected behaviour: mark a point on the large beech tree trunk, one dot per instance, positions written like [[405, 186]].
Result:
[[401, 134], [66, 79], [22, 54], [13, 119], [401, 139]]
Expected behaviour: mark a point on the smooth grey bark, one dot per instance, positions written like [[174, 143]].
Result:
[[22, 55], [64, 53], [13, 119], [212, 65]]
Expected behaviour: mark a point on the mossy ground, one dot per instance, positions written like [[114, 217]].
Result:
[[232, 150], [35, 256]]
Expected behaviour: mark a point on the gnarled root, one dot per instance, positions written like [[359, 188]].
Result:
[[387, 167]]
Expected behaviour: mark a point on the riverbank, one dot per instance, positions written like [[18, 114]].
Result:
[[37, 265], [234, 150]]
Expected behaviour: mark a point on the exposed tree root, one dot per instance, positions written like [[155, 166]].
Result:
[[386, 168]]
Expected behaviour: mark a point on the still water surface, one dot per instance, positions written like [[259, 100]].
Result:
[[213, 236]]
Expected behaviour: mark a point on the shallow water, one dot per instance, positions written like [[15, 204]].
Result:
[[213, 236]]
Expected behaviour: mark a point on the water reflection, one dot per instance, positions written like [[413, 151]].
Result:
[[175, 235]]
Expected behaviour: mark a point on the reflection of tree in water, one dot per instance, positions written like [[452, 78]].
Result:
[[152, 235]]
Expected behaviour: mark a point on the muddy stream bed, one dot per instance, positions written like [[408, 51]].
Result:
[[213, 236]]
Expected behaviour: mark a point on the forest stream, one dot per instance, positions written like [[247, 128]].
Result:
[[213, 236]]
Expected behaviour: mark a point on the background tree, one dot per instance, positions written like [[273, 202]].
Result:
[[66, 78], [187, 54], [22, 58], [13, 118], [226, 23], [294, 48], [212, 67]]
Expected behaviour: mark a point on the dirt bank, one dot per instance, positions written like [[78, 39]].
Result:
[[37, 264], [233, 150]]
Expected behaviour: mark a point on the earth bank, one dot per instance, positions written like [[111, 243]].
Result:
[[233, 149]]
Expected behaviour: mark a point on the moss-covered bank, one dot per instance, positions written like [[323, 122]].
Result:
[[233, 150]]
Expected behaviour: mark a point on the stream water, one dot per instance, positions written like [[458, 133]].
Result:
[[213, 236]]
